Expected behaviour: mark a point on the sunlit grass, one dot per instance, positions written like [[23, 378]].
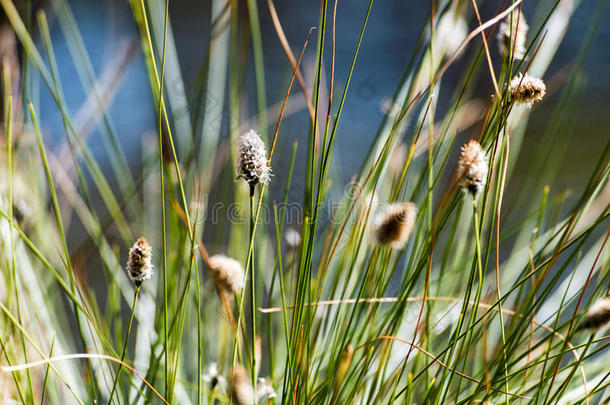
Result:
[[469, 300]]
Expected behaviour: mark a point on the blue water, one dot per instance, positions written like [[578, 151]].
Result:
[[392, 31]]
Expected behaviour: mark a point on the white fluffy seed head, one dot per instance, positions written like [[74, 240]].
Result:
[[252, 160], [472, 168], [526, 90], [513, 30], [139, 264], [450, 32], [395, 224], [597, 316], [264, 390], [293, 238], [214, 378], [228, 273], [242, 392]]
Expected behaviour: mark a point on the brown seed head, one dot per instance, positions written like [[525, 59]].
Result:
[[139, 264], [228, 273], [513, 28], [597, 316], [472, 168], [526, 90], [396, 224]]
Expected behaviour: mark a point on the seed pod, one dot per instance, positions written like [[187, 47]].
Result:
[[228, 273], [597, 316], [139, 264], [513, 30], [242, 392], [213, 377], [264, 390], [252, 160], [396, 224], [293, 238], [472, 168], [526, 90]]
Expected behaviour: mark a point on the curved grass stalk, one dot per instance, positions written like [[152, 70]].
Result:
[[40, 352], [51, 360]]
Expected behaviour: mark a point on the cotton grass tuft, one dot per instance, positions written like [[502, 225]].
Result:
[[526, 90], [472, 168], [597, 316], [139, 264], [242, 392], [513, 30], [228, 273], [394, 226], [252, 160]]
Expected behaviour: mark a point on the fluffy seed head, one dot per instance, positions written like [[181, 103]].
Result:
[[395, 224], [213, 377], [139, 264], [242, 392], [526, 90], [252, 160], [264, 390], [597, 316], [513, 28], [293, 238], [228, 273], [472, 168]]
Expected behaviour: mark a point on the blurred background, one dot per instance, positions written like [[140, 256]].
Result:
[[110, 37], [212, 96]]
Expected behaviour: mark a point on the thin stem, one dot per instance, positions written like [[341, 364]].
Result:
[[118, 373], [14, 373], [9, 161], [477, 231], [498, 291], [46, 375], [199, 350], [162, 183], [252, 295]]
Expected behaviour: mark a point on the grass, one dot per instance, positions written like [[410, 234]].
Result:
[[482, 304]]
